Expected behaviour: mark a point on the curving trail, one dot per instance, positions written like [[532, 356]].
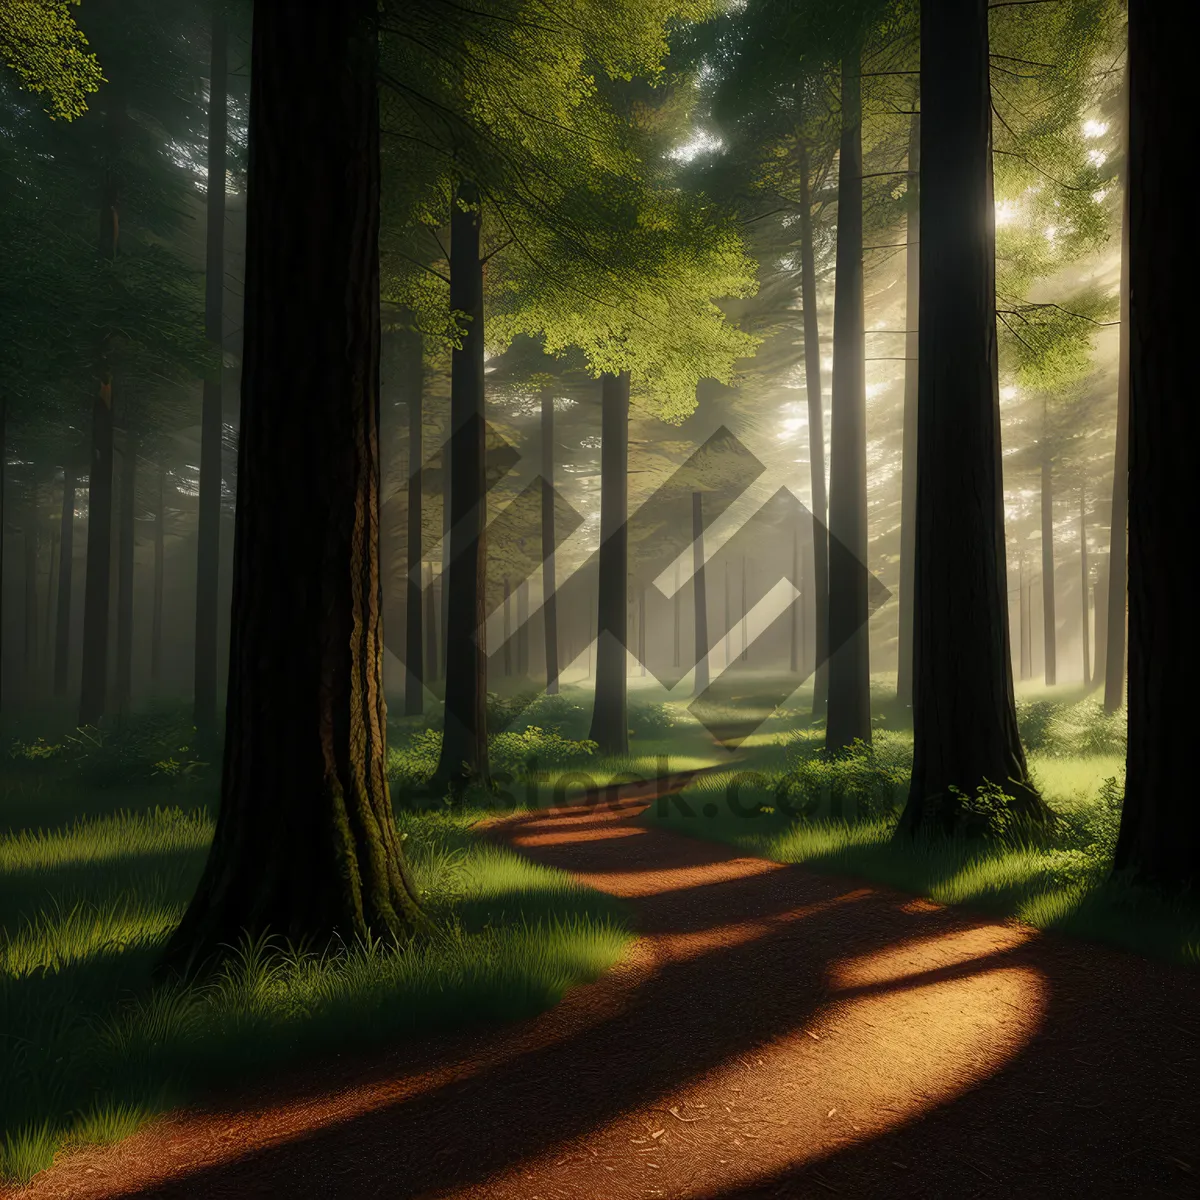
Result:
[[774, 1033]]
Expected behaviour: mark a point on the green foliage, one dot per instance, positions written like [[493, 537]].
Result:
[[870, 780], [40, 41], [650, 720], [1058, 730]]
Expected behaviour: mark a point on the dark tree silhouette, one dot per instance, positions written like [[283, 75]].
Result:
[[549, 583], [964, 715], [1160, 824], [414, 664]]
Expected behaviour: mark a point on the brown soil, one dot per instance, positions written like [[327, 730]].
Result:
[[774, 1033]]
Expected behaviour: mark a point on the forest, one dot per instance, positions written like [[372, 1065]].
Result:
[[590, 600]]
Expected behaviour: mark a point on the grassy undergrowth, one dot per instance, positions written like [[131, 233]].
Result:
[[90, 1046], [789, 803]]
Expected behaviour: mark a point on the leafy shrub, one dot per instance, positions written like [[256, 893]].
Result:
[[650, 720], [862, 781], [37, 751], [1066, 730], [518, 754], [412, 762]]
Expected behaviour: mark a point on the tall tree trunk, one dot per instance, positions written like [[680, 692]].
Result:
[[1084, 590], [414, 664], [1160, 823], [3, 516], [305, 845], [443, 621], [46, 649], [1118, 570], [676, 618], [94, 686], [742, 610], [431, 594], [964, 714], [94, 654], [908, 478], [728, 618], [522, 630], [29, 659], [816, 436], [700, 594], [610, 719], [797, 609], [156, 622], [1100, 666], [506, 645], [125, 551], [1026, 633], [641, 618], [1049, 611], [464, 740], [208, 539], [66, 564], [549, 583], [849, 718]]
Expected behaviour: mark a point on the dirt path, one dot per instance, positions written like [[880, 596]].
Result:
[[774, 1034]]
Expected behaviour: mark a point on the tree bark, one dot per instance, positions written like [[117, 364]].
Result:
[[156, 622], [1049, 609], [1118, 569], [1160, 825], [908, 478], [66, 563], [816, 436], [46, 648], [506, 645], [3, 517], [305, 845], [610, 719], [464, 740], [700, 594], [797, 609], [964, 714], [208, 539], [849, 717], [522, 630], [431, 626], [676, 619], [125, 555], [549, 583], [414, 663], [1084, 590], [1026, 638]]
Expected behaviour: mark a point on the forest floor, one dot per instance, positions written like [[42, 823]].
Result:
[[772, 1032]]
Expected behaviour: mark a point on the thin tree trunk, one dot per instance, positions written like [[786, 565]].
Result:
[[610, 721], [549, 583], [94, 685], [1084, 589], [414, 665], [443, 621], [742, 610], [46, 649], [1026, 637], [464, 740], [1118, 571], [1160, 823], [965, 732], [507, 642], [849, 718], [305, 845], [125, 552], [208, 538], [642, 630], [522, 630], [29, 662], [816, 437], [908, 480], [3, 517], [66, 564], [431, 594], [93, 698], [1049, 614], [700, 594], [156, 622], [728, 618], [797, 608], [676, 617], [1100, 666]]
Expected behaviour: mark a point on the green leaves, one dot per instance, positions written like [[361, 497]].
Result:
[[40, 41]]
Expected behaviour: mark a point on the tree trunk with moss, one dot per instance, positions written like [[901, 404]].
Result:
[[305, 845], [965, 733]]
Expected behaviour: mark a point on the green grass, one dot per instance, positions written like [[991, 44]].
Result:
[[840, 817], [91, 1047]]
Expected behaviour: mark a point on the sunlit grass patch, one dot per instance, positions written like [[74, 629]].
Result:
[[93, 1047], [839, 815]]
